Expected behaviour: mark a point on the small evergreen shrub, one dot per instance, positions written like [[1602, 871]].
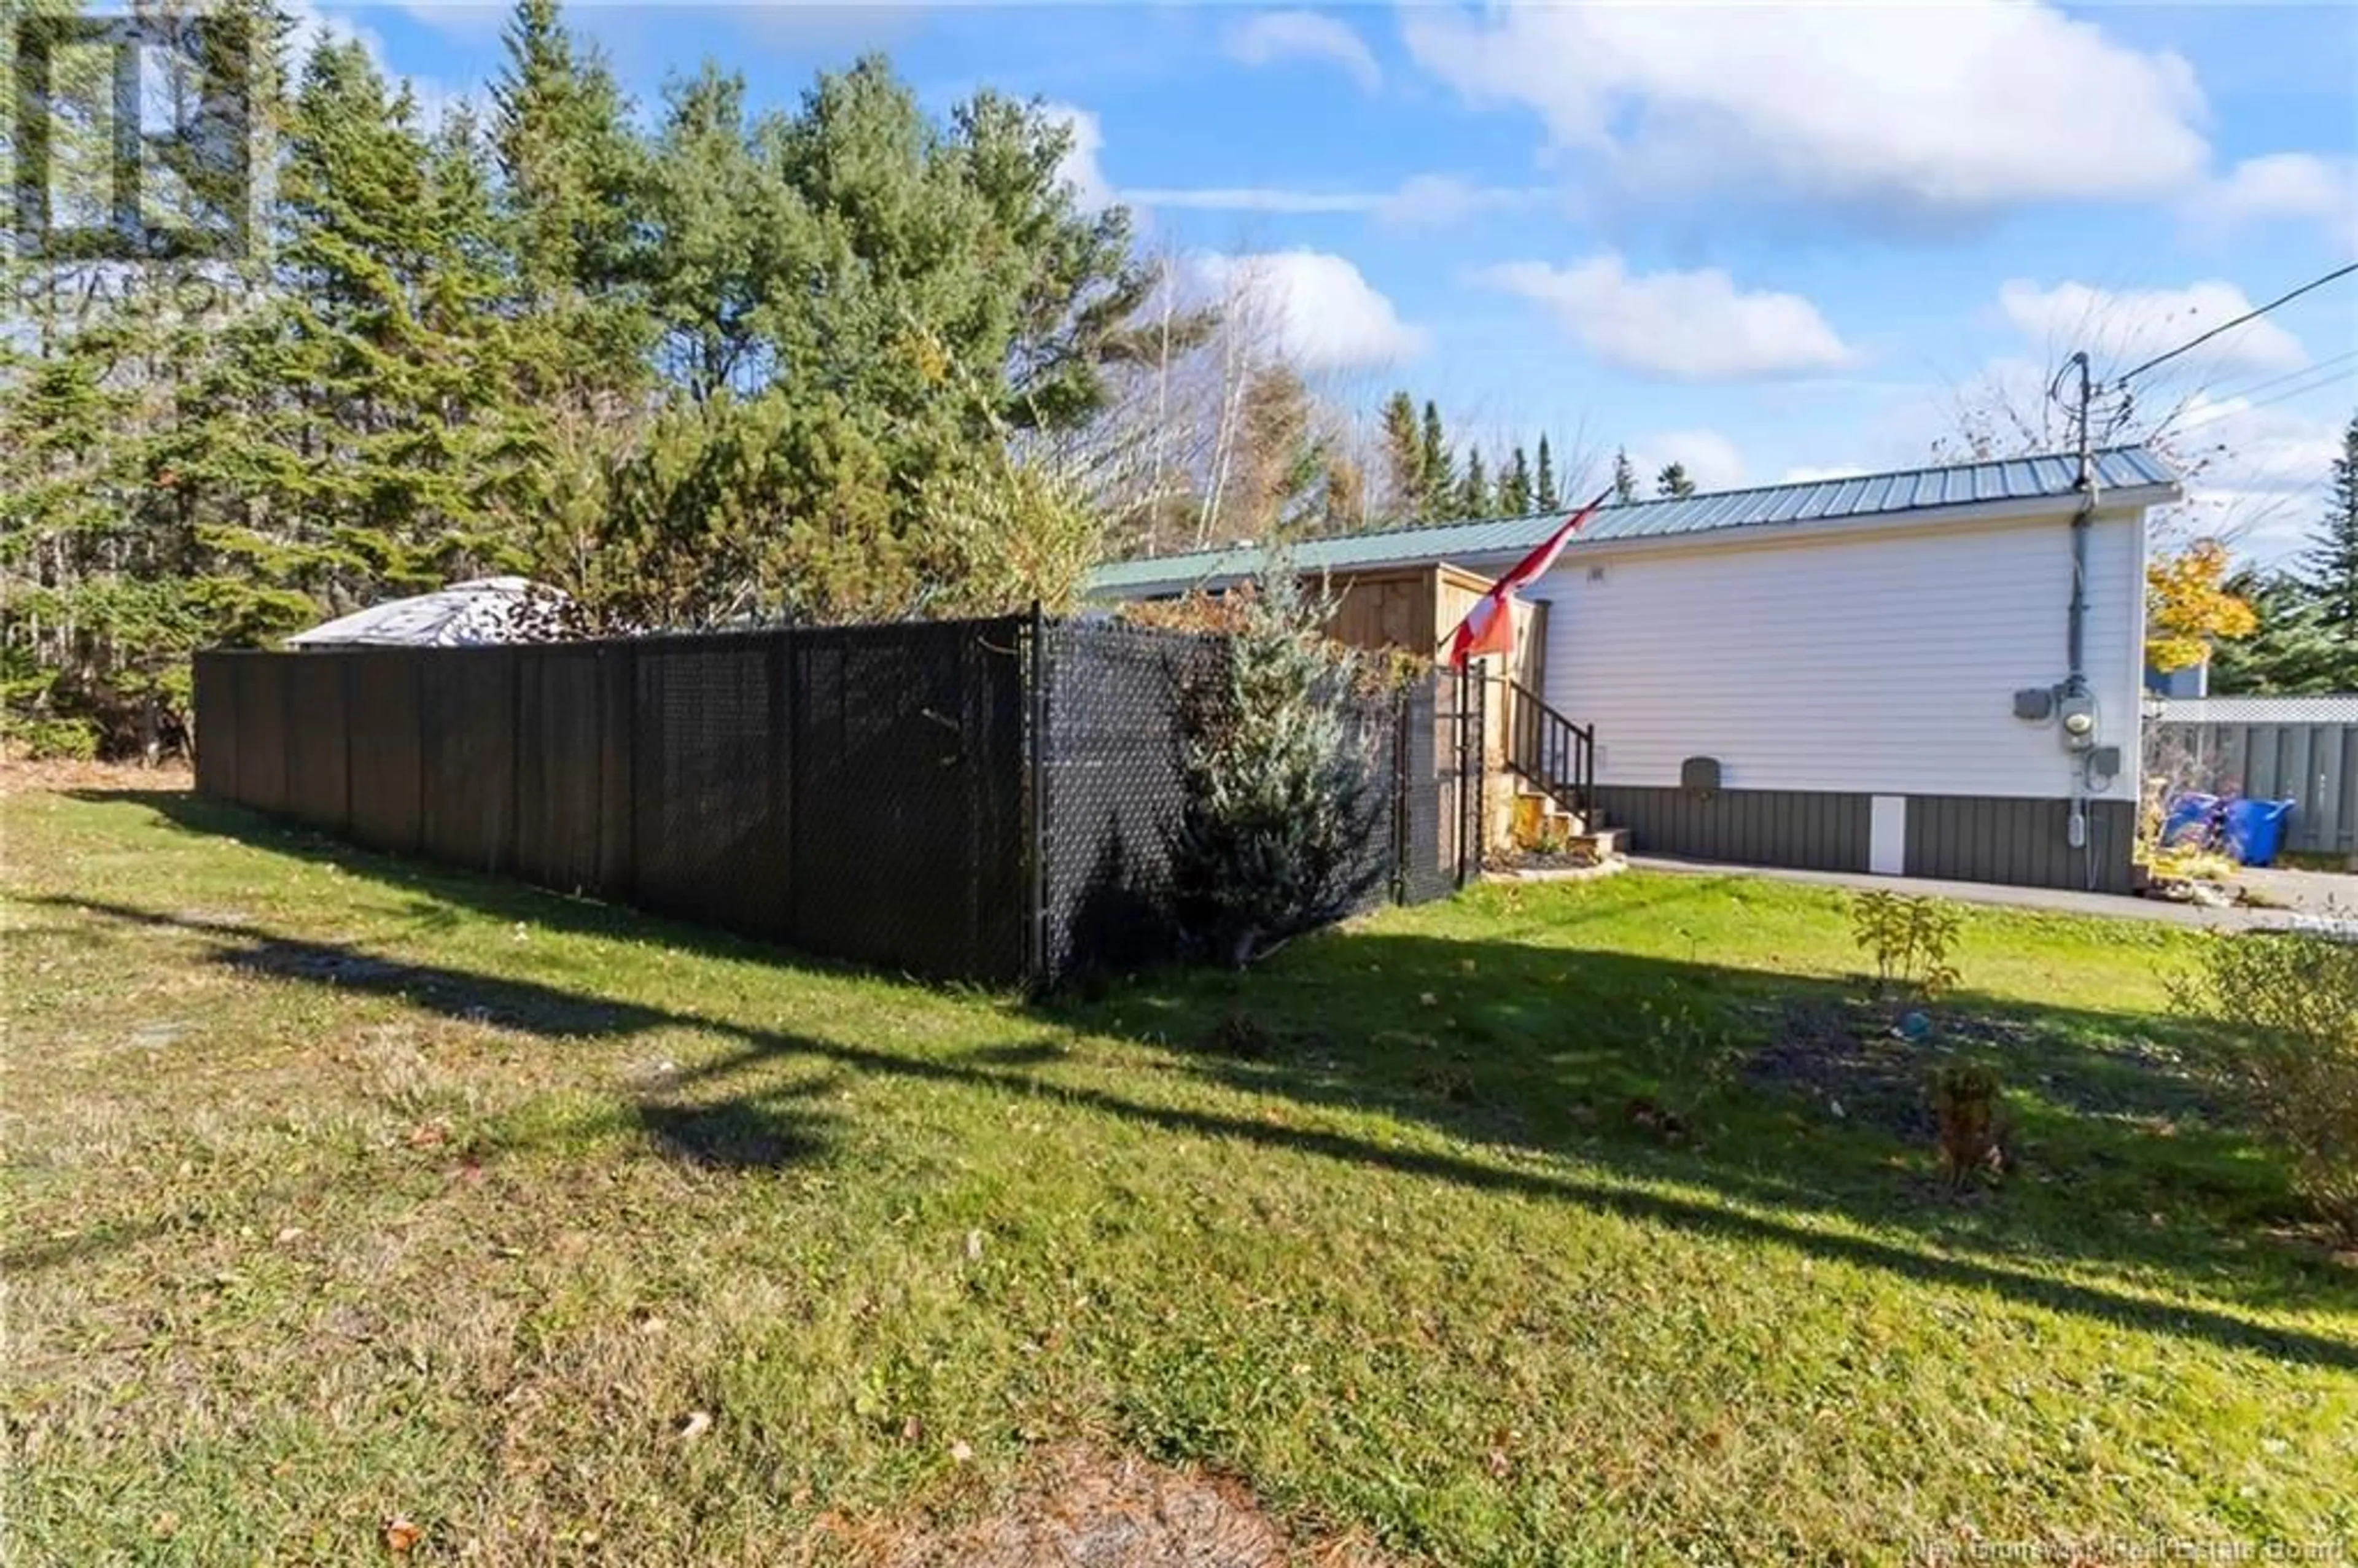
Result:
[[2285, 1010], [1280, 802], [52, 739]]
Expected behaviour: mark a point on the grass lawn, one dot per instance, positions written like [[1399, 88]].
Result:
[[343, 1192]]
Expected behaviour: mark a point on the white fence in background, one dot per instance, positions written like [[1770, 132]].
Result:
[[2301, 749]]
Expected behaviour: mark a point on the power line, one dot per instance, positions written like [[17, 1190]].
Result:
[[2214, 416], [2231, 393], [2228, 326]]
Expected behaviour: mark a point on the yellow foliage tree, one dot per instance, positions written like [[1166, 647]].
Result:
[[2188, 607]]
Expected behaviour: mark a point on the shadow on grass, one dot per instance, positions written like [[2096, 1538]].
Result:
[[1559, 1033]]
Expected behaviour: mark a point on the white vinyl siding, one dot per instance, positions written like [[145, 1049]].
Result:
[[1872, 664]]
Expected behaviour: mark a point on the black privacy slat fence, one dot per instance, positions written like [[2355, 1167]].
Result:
[[984, 800]]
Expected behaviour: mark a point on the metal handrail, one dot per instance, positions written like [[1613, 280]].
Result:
[[1551, 750]]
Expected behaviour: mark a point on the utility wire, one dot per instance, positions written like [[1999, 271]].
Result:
[[2214, 416], [2198, 340], [2231, 393]]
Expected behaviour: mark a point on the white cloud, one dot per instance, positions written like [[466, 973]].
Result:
[[1682, 326], [2283, 186], [1710, 458], [1272, 36], [1078, 167], [1958, 108], [2122, 329], [1438, 200], [2260, 473], [1421, 201], [1253, 199], [1317, 310]]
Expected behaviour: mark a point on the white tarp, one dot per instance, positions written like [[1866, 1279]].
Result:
[[481, 610]]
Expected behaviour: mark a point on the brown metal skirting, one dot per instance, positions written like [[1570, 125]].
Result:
[[2021, 843], [1976, 839], [1812, 829]]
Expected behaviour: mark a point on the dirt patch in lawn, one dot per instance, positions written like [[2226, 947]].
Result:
[[1853, 1065], [1081, 1508], [20, 776], [1857, 1066]]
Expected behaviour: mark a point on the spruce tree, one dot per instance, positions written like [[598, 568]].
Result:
[[1436, 470], [1543, 492], [1475, 499], [1515, 486], [1403, 457], [1625, 476], [2329, 567], [1673, 484], [570, 172]]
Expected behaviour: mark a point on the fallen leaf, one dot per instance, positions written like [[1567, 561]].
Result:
[[427, 1134], [960, 1451], [401, 1535], [974, 1245], [292, 1233], [697, 1424]]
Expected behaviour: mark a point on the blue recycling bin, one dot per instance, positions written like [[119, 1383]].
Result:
[[2256, 829], [2187, 818]]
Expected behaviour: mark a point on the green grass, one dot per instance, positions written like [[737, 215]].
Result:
[[341, 1189]]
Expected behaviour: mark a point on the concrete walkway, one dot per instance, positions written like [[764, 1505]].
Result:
[[2053, 900]]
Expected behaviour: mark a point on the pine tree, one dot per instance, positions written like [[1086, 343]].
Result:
[[1403, 457], [1515, 486], [2329, 567], [1474, 495], [1625, 477], [2291, 651], [1435, 469], [1673, 484], [571, 178], [1543, 492]]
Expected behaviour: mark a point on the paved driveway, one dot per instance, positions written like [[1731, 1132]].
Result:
[[2304, 896]]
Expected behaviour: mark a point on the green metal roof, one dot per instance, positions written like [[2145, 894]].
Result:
[[1928, 491]]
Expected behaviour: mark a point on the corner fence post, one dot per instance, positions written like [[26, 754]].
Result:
[[1465, 697], [1036, 732], [1404, 781]]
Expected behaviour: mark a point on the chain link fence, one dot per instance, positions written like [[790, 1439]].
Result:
[[986, 800]]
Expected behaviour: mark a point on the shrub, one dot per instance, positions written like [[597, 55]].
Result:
[[1909, 940], [1281, 804], [1965, 1113], [2285, 1005], [53, 739]]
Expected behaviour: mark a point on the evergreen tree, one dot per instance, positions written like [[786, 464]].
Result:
[[1279, 464], [727, 365], [1435, 469], [2329, 567], [1543, 492], [2290, 652], [1474, 496], [1403, 457], [1515, 486], [571, 171], [1279, 792], [1625, 476], [1672, 482]]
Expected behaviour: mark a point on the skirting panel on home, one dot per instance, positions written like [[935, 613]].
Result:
[[1974, 838]]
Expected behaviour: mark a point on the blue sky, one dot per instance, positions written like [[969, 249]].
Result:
[[1767, 240]]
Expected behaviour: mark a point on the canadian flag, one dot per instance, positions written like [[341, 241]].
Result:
[[1489, 626]]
